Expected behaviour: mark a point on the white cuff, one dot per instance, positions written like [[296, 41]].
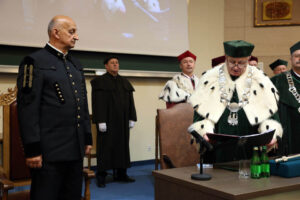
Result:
[[131, 123], [102, 127], [271, 124], [203, 127]]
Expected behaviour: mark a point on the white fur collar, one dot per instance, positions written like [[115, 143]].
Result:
[[262, 100], [178, 89]]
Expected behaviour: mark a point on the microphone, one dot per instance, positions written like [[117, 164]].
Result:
[[200, 139], [204, 146]]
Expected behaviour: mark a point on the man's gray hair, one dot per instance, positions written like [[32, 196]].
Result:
[[51, 25]]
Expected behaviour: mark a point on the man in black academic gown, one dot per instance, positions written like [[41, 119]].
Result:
[[288, 85], [53, 115], [114, 113]]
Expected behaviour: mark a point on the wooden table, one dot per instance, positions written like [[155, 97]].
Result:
[[177, 184]]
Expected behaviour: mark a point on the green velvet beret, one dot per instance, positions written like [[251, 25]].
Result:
[[295, 47], [238, 48], [277, 63]]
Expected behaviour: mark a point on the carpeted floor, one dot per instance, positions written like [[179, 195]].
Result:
[[141, 189]]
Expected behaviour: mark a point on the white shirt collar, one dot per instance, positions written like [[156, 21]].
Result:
[[296, 74], [190, 77], [56, 49]]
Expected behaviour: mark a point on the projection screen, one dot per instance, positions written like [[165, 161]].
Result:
[[149, 27]]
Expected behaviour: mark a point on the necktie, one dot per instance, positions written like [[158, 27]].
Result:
[[193, 83]]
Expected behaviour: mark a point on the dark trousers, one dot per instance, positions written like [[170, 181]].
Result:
[[57, 181], [119, 172]]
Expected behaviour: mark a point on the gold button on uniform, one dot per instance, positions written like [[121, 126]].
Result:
[[68, 67], [75, 91], [71, 75], [78, 108], [73, 83], [78, 99], [78, 116], [78, 125]]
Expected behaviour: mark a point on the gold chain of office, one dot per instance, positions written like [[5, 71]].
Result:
[[292, 88], [234, 107]]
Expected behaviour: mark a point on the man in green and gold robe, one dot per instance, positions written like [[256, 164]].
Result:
[[235, 98], [288, 85], [279, 66]]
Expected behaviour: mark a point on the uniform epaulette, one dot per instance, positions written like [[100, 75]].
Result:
[[28, 64]]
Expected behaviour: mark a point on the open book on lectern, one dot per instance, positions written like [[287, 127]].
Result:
[[257, 139]]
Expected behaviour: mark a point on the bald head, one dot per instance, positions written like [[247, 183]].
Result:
[[62, 32], [57, 21]]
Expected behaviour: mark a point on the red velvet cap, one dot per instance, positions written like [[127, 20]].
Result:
[[253, 58], [186, 54], [218, 60]]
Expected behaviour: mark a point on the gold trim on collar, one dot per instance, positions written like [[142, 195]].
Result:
[[30, 76], [25, 75]]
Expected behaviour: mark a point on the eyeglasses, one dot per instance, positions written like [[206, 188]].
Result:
[[240, 64], [296, 55]]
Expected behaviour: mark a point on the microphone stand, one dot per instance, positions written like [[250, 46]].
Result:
[[200, 176]]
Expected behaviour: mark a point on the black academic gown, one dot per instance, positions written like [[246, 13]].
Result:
[[289, 114], [113, 104]]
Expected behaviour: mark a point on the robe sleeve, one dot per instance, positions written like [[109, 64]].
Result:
[[30, 85], [197, 117], [88, 139], [132, 114], [99, 102]]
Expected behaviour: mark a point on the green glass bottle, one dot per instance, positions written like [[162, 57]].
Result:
[[265, 166], [255, 167]]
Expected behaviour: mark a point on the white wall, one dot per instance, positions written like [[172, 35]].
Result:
[[206, 31]]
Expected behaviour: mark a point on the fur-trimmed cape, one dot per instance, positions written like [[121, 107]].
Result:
[[178, 89], [262, 100]]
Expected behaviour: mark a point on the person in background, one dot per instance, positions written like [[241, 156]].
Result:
[[53, 115], [114, 113], [235, 98], [279, 66], [217, 61], [181, 86], [253, 61], [288, 85]]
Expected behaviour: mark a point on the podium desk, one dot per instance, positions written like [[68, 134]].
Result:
[[176, 184]]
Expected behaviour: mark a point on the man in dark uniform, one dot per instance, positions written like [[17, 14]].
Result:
[[53, 115], [288, 85], [114, 113]]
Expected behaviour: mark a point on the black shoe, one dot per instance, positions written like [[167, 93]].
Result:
[[125, 178], [101, 181]]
